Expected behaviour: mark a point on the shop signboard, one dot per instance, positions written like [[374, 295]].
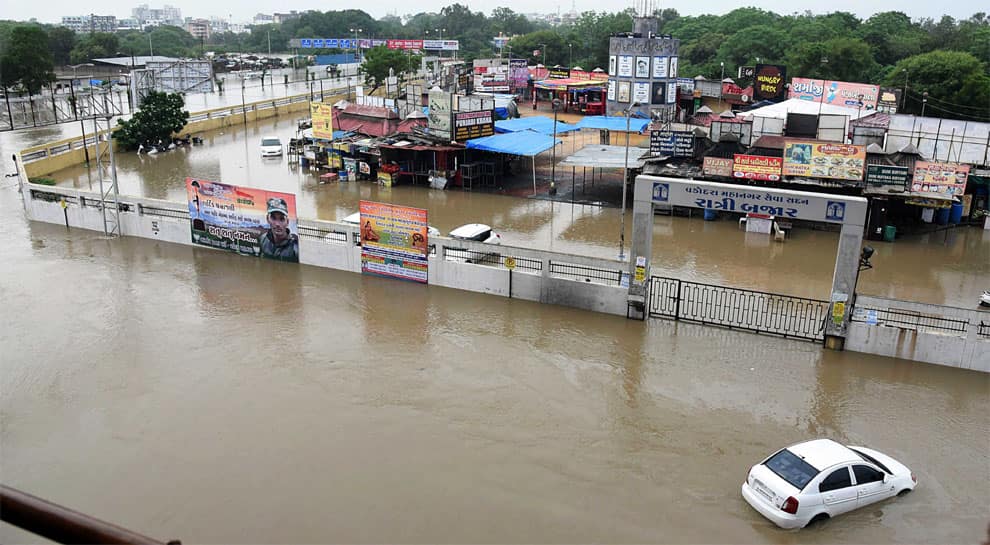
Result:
[[824, 160], [686, 85], [244, 220], [394, 241], [886, 175], [769, 82], [838, 93], [672, 143], [558, 72], [322, 117], [947, 179], [306, 43], [468, 125], [888, 100], [405, 44], [717, 166], [756, 167], [518, 73]]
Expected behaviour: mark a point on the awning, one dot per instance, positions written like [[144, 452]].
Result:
[[613, 123], [527, 143], [599, 156], [540, 124]]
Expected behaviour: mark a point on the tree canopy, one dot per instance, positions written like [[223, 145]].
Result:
[[379, 60], [159, 117], [26, 59]]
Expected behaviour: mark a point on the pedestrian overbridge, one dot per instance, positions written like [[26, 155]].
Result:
[[725, 306]]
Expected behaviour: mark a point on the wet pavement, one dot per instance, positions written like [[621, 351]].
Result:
[[186, 393]]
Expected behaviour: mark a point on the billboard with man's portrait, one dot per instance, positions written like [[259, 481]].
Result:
[[244, 220]]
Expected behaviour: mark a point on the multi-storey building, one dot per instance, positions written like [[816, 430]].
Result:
[[199, 28], [167, 15], [90, 23]]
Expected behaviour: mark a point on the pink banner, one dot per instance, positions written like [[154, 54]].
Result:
[[837, 93]]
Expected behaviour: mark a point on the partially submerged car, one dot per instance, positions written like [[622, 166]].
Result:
[[478, 232], [271, 146], [819, 479]]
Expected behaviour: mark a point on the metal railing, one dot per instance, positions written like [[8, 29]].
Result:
[[983, 330], [736, 308], [907, 319], [584, 273], [61, 524], [330, 236], [491, 259], [181, 214]]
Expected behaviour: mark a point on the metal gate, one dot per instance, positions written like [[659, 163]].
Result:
[[760, 312]]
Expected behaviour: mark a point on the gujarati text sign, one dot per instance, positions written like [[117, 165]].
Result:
[[394, 241]]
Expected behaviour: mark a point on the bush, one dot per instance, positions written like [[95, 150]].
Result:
[[42, 181]]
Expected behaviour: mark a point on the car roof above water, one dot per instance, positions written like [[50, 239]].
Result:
[[824, 453], [470, 230]]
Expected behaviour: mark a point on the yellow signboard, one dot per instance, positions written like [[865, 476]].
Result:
[[824, 160], [322, 115], [510, 262]]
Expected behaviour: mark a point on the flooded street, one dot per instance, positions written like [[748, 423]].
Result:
[[192, 394]]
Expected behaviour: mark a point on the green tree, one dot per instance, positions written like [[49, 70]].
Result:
[[957, 84], [61, 40], [763, 41], [94, 46], [379, 60], [892, 36], [26, 59], [843, 59], [160, 116]]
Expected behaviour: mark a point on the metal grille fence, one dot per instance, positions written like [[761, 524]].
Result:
[[165, 212], [906, 319], [584, 273], [491, 259], [326, 235], [760, 312], [983, 330]]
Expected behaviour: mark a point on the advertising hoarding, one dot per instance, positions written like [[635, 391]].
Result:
[[824, 160], [244, 220], [947, 179], [717, 166], [394, 241], [756, 167], [838, 93], [439, 113], [641, 92], [558, 72], [625, 66], [322, 117], [623, 92], [468, 125], [642, 67], [769, 82], [660, 65], [658, 95], [886, 175]]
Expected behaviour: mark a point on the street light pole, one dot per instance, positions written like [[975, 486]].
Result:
[[719, 90], [553, 151], [75, 107], [904, 94], [924, 101], [625, 177]]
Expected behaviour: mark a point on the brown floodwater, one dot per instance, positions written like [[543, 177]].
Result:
[[186, 393]]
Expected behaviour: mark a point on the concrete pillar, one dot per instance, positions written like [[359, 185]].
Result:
[[642, 242], [844, 282]]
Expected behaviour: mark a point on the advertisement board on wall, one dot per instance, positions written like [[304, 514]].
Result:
[[625, 66], [244, 220], [439, 116], [756, 167], [671, 92], [468, 125], [642, 67], [717, 166], [838, 93], [611, 89], [518, 73], [673, 67], [641, 92], [660, 65], [948, 179], [394, 241], [672, 143], [888, 100], [824, 160], [658, 95], [611, 65], [769, 82], [622, 95], [322, 117], [886, 175]]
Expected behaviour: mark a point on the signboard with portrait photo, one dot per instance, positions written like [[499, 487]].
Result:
[[611, 65], [622, 95], [394, 241], [641, 92], [642, 67], [660, 65], [244, 220], [947, 179], [625, 66], [824, 160], [659, 93]]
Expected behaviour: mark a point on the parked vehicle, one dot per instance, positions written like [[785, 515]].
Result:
[[819, 479], [985, 298], [271, 146], [478, 232]]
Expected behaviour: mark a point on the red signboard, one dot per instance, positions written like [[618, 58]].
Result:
[[757, 167]]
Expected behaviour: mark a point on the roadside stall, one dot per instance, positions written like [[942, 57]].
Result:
[[526, 143], [580, 95]]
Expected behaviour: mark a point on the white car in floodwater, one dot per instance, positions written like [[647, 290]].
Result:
[[271, 146], [820, 479], [478, 232], [985, 298]]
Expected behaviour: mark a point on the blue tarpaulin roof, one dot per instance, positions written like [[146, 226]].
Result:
[[528, 143], [540, 124], [613, 123]]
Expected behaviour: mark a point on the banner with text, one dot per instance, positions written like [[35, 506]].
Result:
[[838, 93], [244, 220], [948, 179], [468, 125], [672, 143], [322, 117], [394, 241], [887, 175], [824, 160], [756, 167], [717, 166], [769, 82]]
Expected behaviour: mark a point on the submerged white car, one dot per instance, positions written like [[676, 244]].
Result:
[[478, 232], [271, 146], [819, 479]]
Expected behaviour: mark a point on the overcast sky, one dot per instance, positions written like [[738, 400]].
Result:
[[51, 11]]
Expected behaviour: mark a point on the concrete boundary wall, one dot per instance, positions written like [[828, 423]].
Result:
[[966, 349], [547, 277], [60, 154]]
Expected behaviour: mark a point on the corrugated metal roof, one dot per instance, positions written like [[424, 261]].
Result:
[[599, 156]]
